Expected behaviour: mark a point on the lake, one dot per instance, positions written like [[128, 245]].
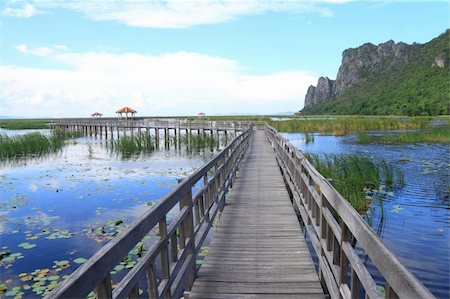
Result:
[[413, 221], [56, 211]]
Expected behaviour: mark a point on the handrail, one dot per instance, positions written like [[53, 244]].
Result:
[[179, 241], [155, 123], [340, 267]]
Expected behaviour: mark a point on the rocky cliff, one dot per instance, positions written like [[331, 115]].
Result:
[[322, 92], [371, 70], [356, 62]]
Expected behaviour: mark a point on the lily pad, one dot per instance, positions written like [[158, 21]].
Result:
[[79, 260], [3, 288], [396, 209], [27, 245]]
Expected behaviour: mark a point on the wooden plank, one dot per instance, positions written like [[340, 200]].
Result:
[[258, 249]]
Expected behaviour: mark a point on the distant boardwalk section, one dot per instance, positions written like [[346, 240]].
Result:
[[258, 250]]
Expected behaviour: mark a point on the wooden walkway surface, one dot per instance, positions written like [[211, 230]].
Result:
[[258, 250]]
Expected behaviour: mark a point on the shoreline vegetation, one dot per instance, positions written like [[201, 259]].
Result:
[[33, 144], [432, 129], [434, 135], [340, 126], [25, 124], [357, 177], [127, 145]]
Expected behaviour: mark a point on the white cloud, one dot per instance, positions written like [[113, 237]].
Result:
[[182, 14], [25, 11], [41, 51], [179, 83]]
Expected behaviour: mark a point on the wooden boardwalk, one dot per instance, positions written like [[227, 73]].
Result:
[[258, 249]]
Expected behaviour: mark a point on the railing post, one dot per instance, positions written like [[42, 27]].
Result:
[[188, 228], [343, 260], [164, 254], [151, 281], [104, 289]]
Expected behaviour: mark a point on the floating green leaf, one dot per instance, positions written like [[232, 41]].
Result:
[[119, 268], [79, 260], [27, 245], [3, 288], [396, 209], [53, 277]]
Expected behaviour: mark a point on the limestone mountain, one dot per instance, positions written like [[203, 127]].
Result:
[[391, 78]]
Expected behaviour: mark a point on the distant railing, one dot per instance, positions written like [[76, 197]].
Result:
[[157, 123], [334, 227], [179, 241]]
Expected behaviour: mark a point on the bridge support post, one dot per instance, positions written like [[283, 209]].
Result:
[[157, 137]]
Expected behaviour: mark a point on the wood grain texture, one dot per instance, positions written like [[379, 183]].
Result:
[[258, 250]]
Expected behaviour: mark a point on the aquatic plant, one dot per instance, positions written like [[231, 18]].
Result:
[[355, 177], [309, 138], [22, 124], [194, 141], [434, 135], [128, 145], [33, 144], [342, 125]]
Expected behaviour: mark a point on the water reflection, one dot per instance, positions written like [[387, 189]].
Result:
[[69, 204], [414, 221]]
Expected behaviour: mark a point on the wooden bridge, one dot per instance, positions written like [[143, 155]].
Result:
[[259, 184]]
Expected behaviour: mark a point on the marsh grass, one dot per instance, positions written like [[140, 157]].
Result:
[[200, 141], [434, 135], [24, 124], [343, 125], [128, 145], [33, 144], [309, 138], [355, 177]]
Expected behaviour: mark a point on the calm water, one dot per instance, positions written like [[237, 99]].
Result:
[[416, 222], [58, 210]]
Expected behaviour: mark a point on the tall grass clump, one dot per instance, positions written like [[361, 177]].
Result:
[[343, 125], [33, 144], [199, 141], [434, 135], [128, 145], [309, 138], [356, 176], [23, 124]]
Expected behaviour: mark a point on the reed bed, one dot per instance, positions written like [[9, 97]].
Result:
[[23, 124], [356, 177], [434, 135], [128, 145], [343, 125], [33, 144], [193, 141]]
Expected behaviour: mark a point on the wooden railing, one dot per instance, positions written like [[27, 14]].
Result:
[[169, 266], [334, 227], [158, 123]]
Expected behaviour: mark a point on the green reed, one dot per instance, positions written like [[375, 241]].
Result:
[[343, 125], [33, 144], [201, 141], [22, 124], [128, 145], [434, 135], [356, 176]]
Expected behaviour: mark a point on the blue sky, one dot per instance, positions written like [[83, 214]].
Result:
[[71, 58]]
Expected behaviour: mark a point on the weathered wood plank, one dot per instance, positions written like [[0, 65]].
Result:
[[258, 250]]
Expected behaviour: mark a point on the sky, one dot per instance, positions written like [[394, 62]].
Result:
[[72, 58]]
